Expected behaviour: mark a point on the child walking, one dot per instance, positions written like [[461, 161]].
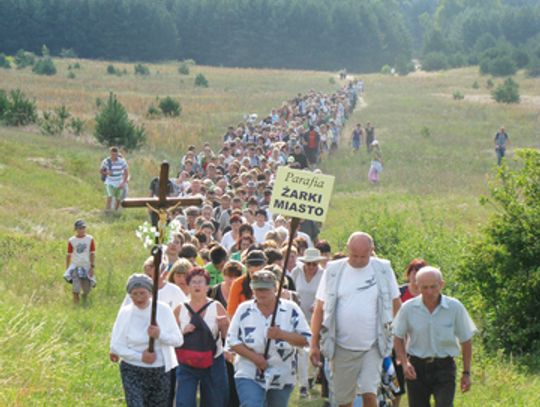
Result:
[[80, 262]]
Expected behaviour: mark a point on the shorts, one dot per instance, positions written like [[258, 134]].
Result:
[[355, 370], [81, 284], [113, 192]]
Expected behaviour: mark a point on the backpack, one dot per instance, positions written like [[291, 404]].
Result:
[[199, 346], [109, 167]]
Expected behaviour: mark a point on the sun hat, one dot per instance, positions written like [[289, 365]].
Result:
[[263, 279], [311, 255]]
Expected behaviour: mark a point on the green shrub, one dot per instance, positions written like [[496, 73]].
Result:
[[77, 125], [20, 109], [141, 69], [489, 84], [170, 107], [508, 92], [44, 66], [4, 62], [475, 85], [48, 125], [386, 69], [153, 111], [434, 61], [68, 53], [113, 127], [457, 95], [404, 66], [201, 81], [24, 58], [54, 123], [111, 70], [501, 267], [183, 69], [425, 132], [71, 75], [332, 80], [76, 65]]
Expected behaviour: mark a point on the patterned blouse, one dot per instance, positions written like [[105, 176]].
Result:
[[249, 327]]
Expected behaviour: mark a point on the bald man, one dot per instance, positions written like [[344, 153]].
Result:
[[351, 322], [435, 327]]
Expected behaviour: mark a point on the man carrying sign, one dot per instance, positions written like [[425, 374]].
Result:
[[354, 307]]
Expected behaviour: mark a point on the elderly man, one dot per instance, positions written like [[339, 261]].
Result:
[[353, 312], [435, 327]]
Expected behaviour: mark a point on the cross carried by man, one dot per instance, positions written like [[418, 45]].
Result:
[[162, 205]]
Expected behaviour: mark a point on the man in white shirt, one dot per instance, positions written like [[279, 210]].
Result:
[[353, 309]]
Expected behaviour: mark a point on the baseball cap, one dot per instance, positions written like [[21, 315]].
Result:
[[256, 258], [79, 224], [263, 279]]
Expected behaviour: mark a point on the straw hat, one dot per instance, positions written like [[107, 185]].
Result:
[[311, 255]]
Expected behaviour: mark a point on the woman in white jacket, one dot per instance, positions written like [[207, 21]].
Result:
[[144, 374]]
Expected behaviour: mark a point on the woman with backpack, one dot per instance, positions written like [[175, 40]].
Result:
[[201, 360]]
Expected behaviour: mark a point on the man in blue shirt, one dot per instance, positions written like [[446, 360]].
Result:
[[436, 328]]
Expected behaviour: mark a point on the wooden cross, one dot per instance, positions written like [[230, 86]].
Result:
[[161, 204]]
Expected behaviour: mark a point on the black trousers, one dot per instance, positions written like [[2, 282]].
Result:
[[435, 377], [145, 386]]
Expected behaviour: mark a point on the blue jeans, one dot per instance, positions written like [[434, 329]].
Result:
[[252, 394], [213, 383], [501, 152]]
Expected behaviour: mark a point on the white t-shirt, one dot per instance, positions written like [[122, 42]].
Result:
[[227, 241], [259, 232], [306, 290], [356, 310]]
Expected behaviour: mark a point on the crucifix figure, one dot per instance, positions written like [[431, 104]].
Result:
[[162, 205]]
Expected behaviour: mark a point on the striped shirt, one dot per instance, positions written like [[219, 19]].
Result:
[[118, 168]]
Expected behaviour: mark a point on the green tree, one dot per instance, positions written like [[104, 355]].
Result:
[[170, 107], [113, 127], [44, 66], [501, 269], [508, 92], [20, 110], [201, 81]]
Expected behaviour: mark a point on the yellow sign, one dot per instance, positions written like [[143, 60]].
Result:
[[301, 194]]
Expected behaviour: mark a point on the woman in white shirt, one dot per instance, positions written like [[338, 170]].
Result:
[[144, 374], [212, 380], [269, 381]]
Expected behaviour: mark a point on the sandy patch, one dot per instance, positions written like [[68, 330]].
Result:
[[48, 163]]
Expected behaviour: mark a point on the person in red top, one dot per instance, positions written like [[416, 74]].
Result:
[[240, 290], [407, 291], [311, 142], [80, 262]]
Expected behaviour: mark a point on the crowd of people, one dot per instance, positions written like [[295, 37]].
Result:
[[214, 340]]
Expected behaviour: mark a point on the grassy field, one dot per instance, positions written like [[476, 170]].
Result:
[[438, 156]]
